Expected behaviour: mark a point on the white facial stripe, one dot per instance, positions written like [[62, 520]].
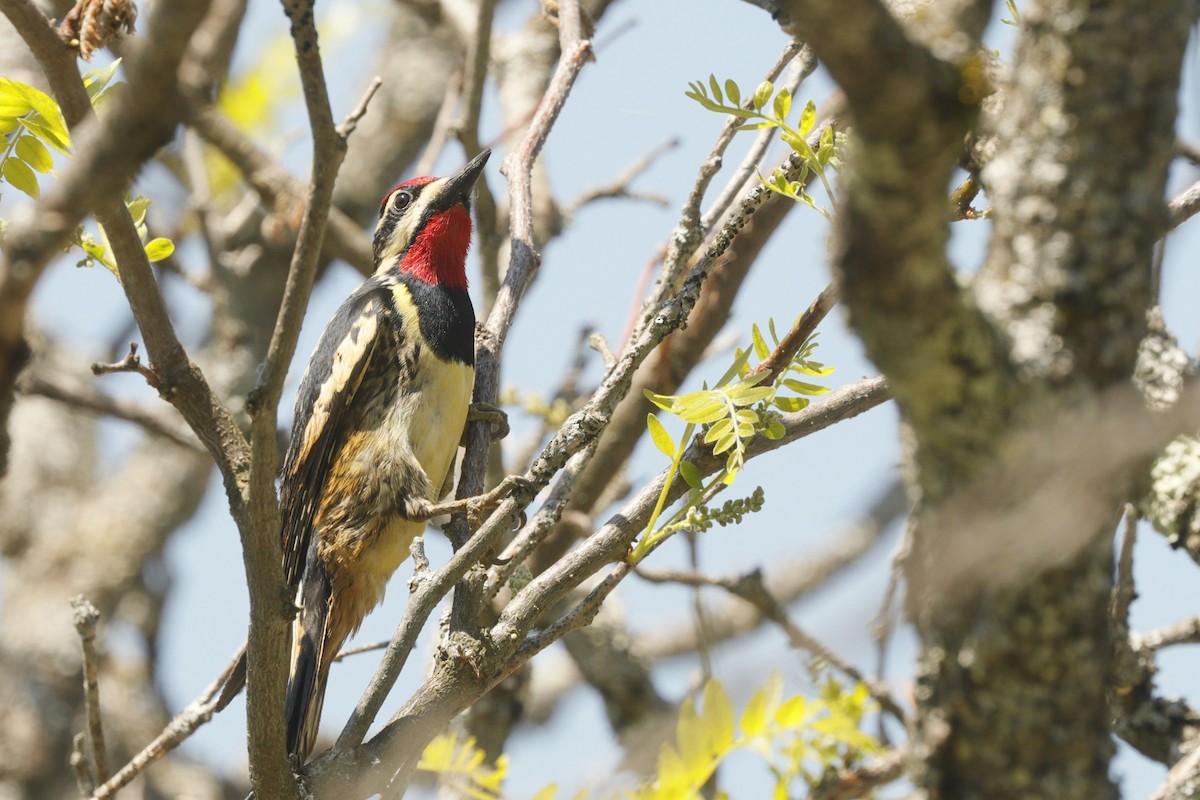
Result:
[[410, 219]]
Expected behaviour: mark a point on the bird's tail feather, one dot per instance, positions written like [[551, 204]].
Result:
[[310, 664]]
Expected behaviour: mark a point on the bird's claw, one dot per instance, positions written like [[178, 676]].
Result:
[[495, 418], [481, 505]]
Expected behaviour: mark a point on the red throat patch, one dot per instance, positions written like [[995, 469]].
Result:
[[439, 253]]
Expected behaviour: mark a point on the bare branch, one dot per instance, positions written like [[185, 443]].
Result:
[[618, 187], [1184, 206], [183, 725], [86, 618], [132, 362], [1186, 631], [276, 186]]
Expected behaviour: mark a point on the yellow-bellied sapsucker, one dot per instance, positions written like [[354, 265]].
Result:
[[379, 416]]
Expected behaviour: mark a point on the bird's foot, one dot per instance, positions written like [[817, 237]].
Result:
[[496, 419], [478, 507]]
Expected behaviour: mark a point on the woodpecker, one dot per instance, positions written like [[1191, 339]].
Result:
[[379, 416]]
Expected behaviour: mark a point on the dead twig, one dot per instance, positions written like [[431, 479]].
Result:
[[132, 362], [86, 618]]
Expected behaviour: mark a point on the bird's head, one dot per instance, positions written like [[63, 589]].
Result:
[[424, 226]]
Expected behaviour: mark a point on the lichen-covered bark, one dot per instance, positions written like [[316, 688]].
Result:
[[1013, 674]]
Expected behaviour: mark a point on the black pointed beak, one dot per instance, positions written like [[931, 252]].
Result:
[[457, 188]]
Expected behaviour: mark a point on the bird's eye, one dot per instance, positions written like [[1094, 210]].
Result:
[[401, 199]]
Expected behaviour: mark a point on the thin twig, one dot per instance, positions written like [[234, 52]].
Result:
[[619, 186], [962, 197], [132, 362], [79, 766], [1186, 631], [443, 126], [86, 618], [538, 528], [777, 362], [688, 233], [183, 725], [1184, 205], [276, 186], [89, 399], [350, 123]]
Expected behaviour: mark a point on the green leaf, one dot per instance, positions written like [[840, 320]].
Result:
[[662, 439], [96, 80], [160, 248], [774, 430], [37, 126], [762, 94], [701, 407], [745, 416], [691, 475], [790, 403], [21, 177], [716, 88], [756, 126], [34, 153], [792, 712], [137, 209], [783, 103], [48, 114], [800, 387], [752, 395], [719, 429], [733, 93], [797, 143], [718, 713], [760, 344], [725, 443], [808, 118], [12, 102], [664, 401]]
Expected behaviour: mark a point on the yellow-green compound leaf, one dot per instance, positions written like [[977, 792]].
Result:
[[691, 475], [8, 125], [160, 248], [18, 173], [547, 793], [662, 439], [34, 153]]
